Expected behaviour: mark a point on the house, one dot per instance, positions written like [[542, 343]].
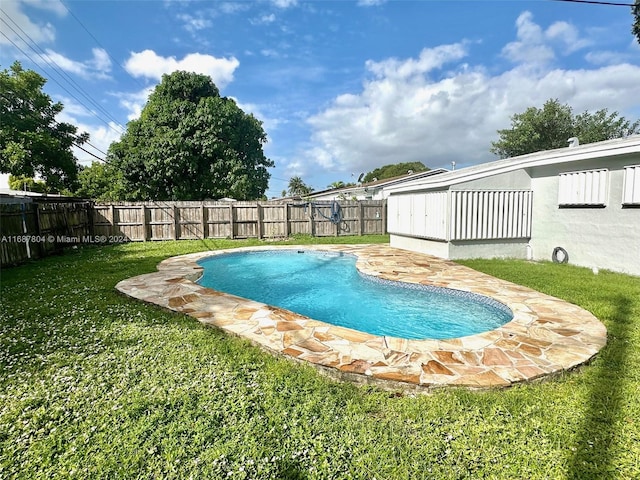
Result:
[[371, 190], [579, 204]]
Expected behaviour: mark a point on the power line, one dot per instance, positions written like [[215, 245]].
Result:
[[100, 45], [595, 2], [93, 155], [76, 143], [59, 71]]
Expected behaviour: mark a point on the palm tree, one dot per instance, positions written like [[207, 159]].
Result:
[[338, 184], [298, 187]]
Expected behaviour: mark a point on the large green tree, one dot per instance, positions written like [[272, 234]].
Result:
[[32, 142], [22, 182], [551, 126], [100, 181], [191, 144], [394, 170]]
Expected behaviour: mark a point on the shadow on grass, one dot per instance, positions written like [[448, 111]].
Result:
[[594, 455]]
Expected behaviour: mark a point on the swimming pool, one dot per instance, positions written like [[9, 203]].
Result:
[[546, 335], [327, 286]]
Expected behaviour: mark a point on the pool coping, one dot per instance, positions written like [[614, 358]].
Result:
[[547, 335]]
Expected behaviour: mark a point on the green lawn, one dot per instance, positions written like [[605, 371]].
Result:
[[96, 385]]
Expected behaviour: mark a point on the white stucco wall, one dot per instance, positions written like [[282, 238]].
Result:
[[421, 245], [606, 237], [516, 180], [516, 248], [463, 249]]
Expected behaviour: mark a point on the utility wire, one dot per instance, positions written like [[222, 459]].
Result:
[[56, 81], [58, 123], [57, 69], [93, 155], [595, 2], [100, 45], [75, 137]]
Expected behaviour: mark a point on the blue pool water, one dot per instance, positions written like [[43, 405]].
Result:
[[329, 288]]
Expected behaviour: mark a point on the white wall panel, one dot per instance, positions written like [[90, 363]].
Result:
[[631, 191], [418, 214], [588, 187], [485, 215]]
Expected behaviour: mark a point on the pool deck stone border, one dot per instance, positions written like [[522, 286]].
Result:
[[546, 335]]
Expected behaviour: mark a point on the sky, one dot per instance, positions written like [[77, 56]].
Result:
[[342, 87]]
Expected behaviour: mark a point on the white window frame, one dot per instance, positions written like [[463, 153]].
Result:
[[631, 186], [584, 188]]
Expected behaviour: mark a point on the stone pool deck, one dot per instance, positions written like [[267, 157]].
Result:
[[547, 335]]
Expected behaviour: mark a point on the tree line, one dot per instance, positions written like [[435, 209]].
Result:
[[190, 143]]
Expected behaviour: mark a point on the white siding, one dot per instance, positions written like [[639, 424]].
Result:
[[421, 215], [588, 187], [488, 215], [631, 192]]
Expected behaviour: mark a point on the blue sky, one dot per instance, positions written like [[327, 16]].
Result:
[[342, 87]]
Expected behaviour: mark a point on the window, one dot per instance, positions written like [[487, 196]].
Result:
[[631, 189], [586, 188]]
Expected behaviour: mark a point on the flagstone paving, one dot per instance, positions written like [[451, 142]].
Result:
[[547, 335]]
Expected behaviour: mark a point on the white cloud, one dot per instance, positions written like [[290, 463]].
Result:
[[55, 6], [370, 3], [270, 52], [535, 46], [567, 36], [233, 7], [134, 102], [403, 114], [101, 136], [607, 57], [429, 59], [268, 123], [530, 45], [98, 67], [263, 19], [194, 24], [284, 3], [151, 65], [19, 28]]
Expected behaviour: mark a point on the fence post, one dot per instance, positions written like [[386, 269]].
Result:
[[36, 214], [360, 218], [90, 218], [144, 222], [231, 226], [203, 217], [260, 226], [286, 220], [311, 224], [176, 222], [112, 213]]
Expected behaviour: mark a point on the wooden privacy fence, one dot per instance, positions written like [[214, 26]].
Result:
[[33, 228], [143, 221], [36, 228]]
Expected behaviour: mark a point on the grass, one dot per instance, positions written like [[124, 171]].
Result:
[[96, 385]]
